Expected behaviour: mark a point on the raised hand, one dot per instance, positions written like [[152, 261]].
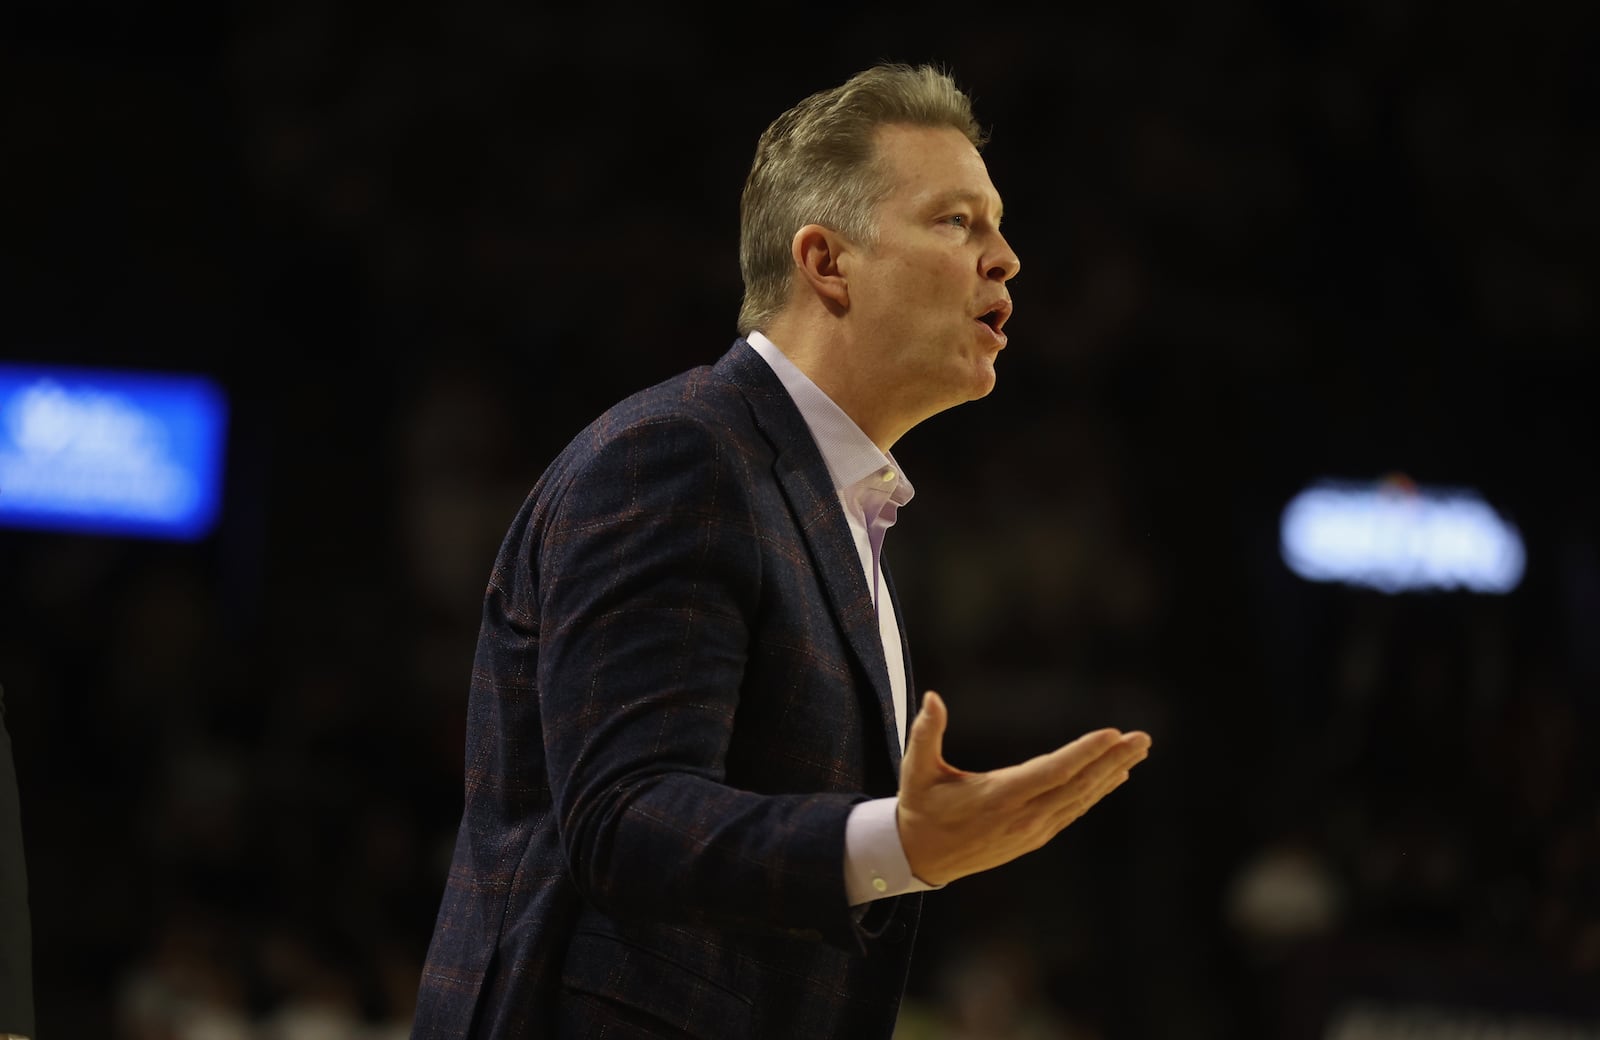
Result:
[[953, 823]]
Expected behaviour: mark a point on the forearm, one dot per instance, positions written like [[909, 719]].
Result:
[[679, 847]]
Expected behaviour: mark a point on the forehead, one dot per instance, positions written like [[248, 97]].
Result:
[[926, 164]]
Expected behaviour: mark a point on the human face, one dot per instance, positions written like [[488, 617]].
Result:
[[928, 299]]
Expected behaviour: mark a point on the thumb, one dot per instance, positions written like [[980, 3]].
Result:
[[925, 750]]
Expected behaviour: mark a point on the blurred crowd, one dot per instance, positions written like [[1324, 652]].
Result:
[[421, 250]]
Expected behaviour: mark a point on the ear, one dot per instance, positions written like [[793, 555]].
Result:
[[818, 252]]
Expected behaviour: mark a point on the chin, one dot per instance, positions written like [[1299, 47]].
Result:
[[983, 380]]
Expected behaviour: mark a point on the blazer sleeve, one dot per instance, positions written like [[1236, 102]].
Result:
[[649, 578]]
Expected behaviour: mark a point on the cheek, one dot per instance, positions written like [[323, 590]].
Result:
[[930, 282]]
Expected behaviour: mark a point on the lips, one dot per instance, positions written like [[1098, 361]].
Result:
[[994, 316]]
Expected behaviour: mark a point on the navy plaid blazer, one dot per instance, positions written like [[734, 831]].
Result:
[[678, 695]]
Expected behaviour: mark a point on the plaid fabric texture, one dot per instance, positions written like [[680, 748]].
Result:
[[678, 695]]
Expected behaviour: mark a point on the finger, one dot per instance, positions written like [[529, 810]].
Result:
[[1049, 772], [1120, 754], [1109, 783], [1091, 782], [1119, 758], [1132, 749], [1138, 738], [1069, 812], [925, 748], [1071, 801]]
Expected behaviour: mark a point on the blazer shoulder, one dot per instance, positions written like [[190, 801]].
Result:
[[727, 400]]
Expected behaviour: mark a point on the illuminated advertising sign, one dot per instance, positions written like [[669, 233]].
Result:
[[110, 452], [1394, 536]]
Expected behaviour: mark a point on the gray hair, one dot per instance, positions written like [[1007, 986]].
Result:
[[817, 164]]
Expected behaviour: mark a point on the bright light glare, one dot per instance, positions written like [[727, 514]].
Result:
[[109, 452], [1400, 539]]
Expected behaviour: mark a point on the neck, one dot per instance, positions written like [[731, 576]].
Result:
[[842, 369]]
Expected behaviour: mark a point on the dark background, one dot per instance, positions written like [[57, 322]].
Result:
[[1262, 244]]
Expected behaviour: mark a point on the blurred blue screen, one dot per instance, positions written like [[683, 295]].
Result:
[[110, 452]]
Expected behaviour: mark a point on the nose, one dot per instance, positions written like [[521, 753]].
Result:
[[1000, 263]]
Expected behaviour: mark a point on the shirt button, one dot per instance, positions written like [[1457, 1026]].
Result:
[[888, 475], [880, 885]]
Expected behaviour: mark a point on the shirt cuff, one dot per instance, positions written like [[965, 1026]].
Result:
[[875, 864]]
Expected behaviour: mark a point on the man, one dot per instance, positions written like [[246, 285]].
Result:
[[687, 812]]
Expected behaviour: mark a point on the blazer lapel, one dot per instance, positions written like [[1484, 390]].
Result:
[[804, 478]]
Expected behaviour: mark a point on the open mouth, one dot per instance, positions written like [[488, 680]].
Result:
[[995, 317]]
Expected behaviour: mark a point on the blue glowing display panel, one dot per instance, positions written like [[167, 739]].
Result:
[[1395, 536], [110, 452]]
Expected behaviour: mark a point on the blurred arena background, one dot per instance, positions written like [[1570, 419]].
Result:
[[417, 249]]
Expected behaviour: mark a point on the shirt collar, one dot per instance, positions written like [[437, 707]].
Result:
[[848, 452]]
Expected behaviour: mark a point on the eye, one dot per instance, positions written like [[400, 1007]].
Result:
[[959, 220]]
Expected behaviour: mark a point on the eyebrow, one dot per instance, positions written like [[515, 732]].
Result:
[[964, 195]]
